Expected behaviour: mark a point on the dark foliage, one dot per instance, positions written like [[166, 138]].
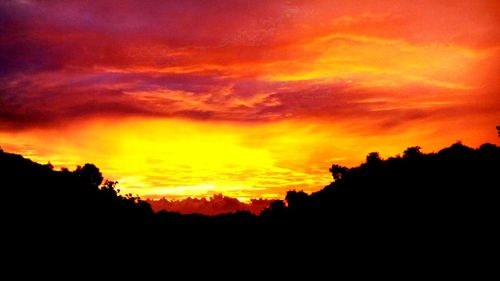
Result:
[[40, 199], [455, 189], [448, 194]]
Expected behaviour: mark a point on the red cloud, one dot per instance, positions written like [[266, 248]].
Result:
[[372, 63], [217, 204]]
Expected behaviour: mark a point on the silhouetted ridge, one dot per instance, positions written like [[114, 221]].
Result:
[[38, 197], [454, 188], [452, 191]]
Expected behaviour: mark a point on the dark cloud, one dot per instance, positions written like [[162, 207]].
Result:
[[195, 114], [44, 99], [46, 109]]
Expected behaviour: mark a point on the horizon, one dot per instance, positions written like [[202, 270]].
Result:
[[219, 204], [249, 100]]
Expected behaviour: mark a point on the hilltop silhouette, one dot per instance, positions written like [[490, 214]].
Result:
[[454, 191], [39, 198]]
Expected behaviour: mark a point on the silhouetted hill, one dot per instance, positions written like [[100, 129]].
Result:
[[448, 193], [40, 199], [455, 189]]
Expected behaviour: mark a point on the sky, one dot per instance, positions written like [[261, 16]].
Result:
[[248, 99]]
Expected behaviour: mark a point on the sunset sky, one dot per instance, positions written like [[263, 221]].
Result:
[[245, 98]]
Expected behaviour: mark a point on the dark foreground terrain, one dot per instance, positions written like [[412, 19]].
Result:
[[445, 200]]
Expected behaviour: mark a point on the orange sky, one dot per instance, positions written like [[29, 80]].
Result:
[[245, 98]]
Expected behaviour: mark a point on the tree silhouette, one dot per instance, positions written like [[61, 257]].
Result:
[[277, 206], [451, 191], [89, 174], [296, 200], [373, 157], [412, 152], [338, 171]]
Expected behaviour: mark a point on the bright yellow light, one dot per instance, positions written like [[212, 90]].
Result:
[[181, 158]]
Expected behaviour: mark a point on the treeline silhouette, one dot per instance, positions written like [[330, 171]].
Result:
[[40, 198], [455, 190]]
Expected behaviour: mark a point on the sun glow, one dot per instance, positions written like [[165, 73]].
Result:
[[191, 98], [171, 157]]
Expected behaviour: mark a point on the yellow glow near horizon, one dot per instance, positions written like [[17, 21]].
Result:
[[172, 157], [180, 158]]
